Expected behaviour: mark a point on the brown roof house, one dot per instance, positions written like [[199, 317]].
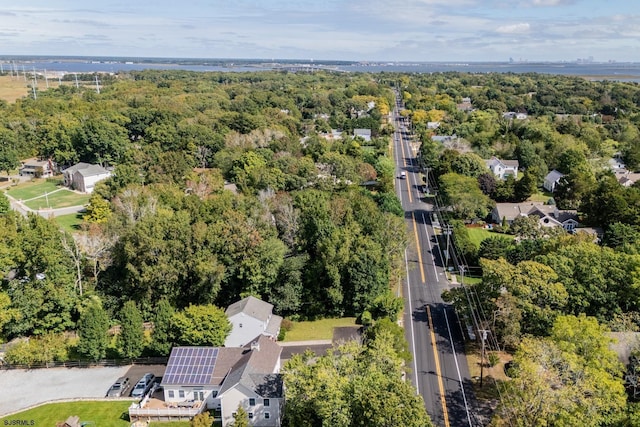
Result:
[[251, 317], [203, 378]]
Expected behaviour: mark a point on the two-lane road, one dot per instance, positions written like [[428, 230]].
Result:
[[440, 371]]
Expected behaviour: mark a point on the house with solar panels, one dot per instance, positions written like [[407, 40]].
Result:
[[251, 317], [219, 378]]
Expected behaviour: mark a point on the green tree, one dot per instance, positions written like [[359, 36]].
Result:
[[203, 419], [162, 334], [494, 247], [92, 331], [131, 338], [201, 325], [464, 196], [5, 206], [240, 418], [98, 210]]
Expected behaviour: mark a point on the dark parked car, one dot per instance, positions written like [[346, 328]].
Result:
[[119, 388], [144, 385]]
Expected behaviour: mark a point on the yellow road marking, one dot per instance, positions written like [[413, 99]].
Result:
[[415, 232], [443, 401]]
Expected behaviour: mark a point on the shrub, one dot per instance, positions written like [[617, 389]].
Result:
[[494, 359]]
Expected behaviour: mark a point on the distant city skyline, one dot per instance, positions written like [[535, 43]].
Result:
[[355, 30]]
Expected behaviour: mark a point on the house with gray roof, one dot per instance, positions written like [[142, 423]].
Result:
[[549, 215], [84, 176], [197, 379], [251, 317], [503, 168], [363, 133], [551, 180], [38, 168]]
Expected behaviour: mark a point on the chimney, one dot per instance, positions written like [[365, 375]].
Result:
[[255, 346]]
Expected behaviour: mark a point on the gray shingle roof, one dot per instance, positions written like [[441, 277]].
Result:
[[251, 306]]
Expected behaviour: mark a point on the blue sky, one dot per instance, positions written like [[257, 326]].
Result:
[[378, 30]]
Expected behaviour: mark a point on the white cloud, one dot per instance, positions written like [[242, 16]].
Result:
[[551, 2], [520, 28]]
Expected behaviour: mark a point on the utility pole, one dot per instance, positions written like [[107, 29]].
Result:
[[484, 337]]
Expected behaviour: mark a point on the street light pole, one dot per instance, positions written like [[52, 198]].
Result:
[[484, 337]]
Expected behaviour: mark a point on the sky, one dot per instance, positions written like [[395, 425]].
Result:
[[356, 30]]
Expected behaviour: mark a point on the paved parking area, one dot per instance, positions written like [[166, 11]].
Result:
[[23, 388]]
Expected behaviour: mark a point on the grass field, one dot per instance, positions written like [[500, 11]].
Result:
[[59, 199], [70, 223], [101, 414], [32, 189], [477, 235], [316, 330], [12, 88]]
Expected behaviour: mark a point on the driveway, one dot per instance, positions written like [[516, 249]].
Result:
[[23, 388]]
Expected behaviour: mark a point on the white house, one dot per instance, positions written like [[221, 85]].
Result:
[[363, 133], [84, 176], [503, 168], [251, 317], [549, 215], [551, 180], [203, 378]]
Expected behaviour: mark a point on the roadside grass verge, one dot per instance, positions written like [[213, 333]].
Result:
[[100, 413], [316, 330], [71, 222], [59, 199], [31, 189]]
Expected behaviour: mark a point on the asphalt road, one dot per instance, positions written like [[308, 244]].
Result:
[[440, 370]]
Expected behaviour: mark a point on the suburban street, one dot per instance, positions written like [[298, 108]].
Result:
[[439, 369]]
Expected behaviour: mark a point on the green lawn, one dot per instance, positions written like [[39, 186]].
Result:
[[102, 414], [59, 199], [70, 223], [477, 235], [170, 424], [33, 189], [540, 197], [316, 330]]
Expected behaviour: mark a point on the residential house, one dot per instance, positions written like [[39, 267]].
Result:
[[465, 105], [251, 317], [222, 378], [363, 133], [334, 135], [503, 168], [513, 115], [444, 138], [84, 176], [38, 168], [628, 179], [433, 125], [551, 180], [549, 215]]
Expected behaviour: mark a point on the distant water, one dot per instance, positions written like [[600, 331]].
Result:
[[612, 71]]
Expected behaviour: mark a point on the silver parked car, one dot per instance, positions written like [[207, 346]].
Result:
[[119, 388], [144, 385]]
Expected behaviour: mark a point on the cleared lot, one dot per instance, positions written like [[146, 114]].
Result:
[[23, 388]]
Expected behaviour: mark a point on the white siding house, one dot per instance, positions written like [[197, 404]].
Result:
[[551, 180], [503, 168], [251, 317], [84, 176]]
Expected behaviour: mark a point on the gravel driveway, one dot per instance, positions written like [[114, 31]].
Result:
[[23, 388]]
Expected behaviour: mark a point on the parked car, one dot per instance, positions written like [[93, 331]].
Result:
[[119, 388], [143, 385]]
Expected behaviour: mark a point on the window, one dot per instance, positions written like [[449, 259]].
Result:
[[181, 394], [266, 402], [252, 401], [171, 394], [267, 415], [250, 415]]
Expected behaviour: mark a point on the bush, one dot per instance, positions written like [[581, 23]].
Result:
[[494, 359], [46, 349], [286, 325]]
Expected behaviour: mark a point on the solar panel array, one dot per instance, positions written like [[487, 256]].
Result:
[[190, 365]]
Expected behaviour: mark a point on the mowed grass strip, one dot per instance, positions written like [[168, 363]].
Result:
[[70, 223], [102, 413], [316, 330], [33, 189], [59, 199], [478, 234]]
